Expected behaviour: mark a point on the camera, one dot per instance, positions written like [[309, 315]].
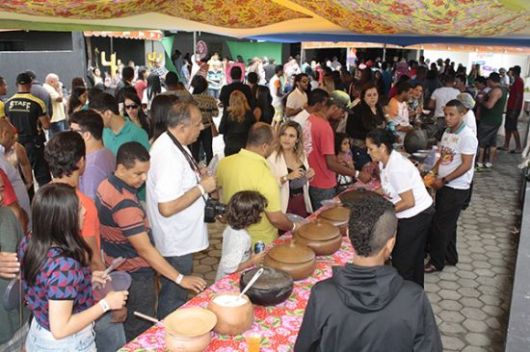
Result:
[[212, 209]]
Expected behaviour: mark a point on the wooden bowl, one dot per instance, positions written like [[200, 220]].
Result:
[[296, 259], [233, 318], [321, 236], [189, 329], [338, 216]]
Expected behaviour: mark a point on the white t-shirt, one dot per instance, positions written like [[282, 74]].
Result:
[[442, 96], [296, 100], [301, 118], [236, 249], [452, 146], [399, 176], [402, 119], [169, 177], [471, 121], [276, 100]]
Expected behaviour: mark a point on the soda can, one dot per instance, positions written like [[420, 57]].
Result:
[[259, 247]]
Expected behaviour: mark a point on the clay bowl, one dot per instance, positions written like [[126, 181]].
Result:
[[296, 259], [273, 286], [189, 329], [234, 315], [322, 237], [338, 216]]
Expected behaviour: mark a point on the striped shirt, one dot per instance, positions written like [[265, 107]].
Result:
[[121, 215]]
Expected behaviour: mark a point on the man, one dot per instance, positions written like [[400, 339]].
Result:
[[439, 98], [321, 156], [176, 196], [175, 87], [276, 86], [461, 84], [398, 109], [297, 99], [224, 96], [29, 116], [454, 172], [249, 170], [491, 111], [125, 232], [504, 79], [100, 162], [38, 90], [469, 103], [366, 306], [317, 101], [118, 130], [58, 118], [513, 110], [3, 91]]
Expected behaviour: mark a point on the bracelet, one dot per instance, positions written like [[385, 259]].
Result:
[[179, 278], [294, 227], [104, 305], [201, 188], [357, 173]]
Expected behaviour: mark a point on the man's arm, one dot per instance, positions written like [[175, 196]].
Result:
[[467, 163], [172, 207], [45, 121], [279, 220], [493, 97]]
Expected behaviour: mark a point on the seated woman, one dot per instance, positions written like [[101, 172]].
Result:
[[56, 276], [366, 306], [290, 167]]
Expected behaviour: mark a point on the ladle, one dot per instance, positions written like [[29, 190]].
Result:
[[250, 283]]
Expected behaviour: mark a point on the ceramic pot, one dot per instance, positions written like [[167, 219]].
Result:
[[233, 317], [296, 259], [273, 286], [338, 216], [321, 236], [189, 329]]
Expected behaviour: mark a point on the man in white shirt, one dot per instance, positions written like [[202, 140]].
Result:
[[455, 174], [177, 190], [297, 99], [276, 85], [58, 119], [439, 98]]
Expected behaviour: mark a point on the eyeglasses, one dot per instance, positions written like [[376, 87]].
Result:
[[128, 107]]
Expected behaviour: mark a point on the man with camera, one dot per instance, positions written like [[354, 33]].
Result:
[[177, 193]]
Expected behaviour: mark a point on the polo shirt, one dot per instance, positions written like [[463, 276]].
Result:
[[128, 133], [24, 110], [121, 216], [245, 171]]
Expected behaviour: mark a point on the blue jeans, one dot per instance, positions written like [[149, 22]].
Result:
[[59, 126], [142, 298], [172, 295], [109, 336], [42, 340], [317, 195]]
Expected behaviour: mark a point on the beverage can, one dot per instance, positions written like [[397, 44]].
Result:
[[259, 247]]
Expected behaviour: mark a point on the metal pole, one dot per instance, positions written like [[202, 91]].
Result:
[[194, 43], [384, 52], [111, 45]]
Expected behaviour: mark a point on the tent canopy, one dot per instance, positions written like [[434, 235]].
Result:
[[401, 22]]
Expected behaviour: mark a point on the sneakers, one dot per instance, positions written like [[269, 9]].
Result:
[[479, 167], [488, 165]]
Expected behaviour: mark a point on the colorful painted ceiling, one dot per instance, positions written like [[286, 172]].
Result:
[[246, 18]]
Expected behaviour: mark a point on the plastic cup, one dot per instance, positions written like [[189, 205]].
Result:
[[253, 340], [120, 281]]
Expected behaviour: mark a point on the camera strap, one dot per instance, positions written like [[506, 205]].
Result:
[[193, 164]]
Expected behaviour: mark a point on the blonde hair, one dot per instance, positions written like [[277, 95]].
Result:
[[298, 147], [237, 106]]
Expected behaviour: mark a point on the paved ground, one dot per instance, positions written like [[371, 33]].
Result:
[[470, 300]]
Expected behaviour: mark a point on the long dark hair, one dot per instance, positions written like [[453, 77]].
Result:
[[264, 102], [158, 114], [368, 118], [154, 87], [55, 216], [75, 100], [144, 122]]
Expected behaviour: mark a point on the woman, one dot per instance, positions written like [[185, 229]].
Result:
[[56, 275], [236, 123], [154, 87], [208, 106], [290, 167], [77, 99], [141, 83], [416, 101], [264, 111], [158, 114], [402, 184], [133, 110]]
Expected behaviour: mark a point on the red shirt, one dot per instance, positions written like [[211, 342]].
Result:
[[9, 193], [140, 86], [322, 144], [515, 100]]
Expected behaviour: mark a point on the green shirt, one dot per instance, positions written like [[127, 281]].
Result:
[[493, 116]]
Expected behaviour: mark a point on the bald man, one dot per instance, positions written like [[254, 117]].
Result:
[[58, 116]]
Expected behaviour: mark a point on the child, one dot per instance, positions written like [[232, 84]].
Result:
[[344, 156], [244, 209]]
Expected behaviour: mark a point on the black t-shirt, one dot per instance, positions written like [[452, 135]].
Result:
[[24, 110]]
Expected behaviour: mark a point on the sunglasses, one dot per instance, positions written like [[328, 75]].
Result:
[[128, 107]]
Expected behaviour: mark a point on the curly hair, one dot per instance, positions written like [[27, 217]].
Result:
[[372, 222], [63, 152], [245, 209]]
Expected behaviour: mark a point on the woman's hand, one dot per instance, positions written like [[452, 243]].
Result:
[[193, 283], [116, 299], [257, 259], [99, 278], [295, 174], [310, 173]]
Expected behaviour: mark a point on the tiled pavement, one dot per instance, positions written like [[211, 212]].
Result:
[[470, 300]]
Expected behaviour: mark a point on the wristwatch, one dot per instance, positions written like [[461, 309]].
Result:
[[444, 180]]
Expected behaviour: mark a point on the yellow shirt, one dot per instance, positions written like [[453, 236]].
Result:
[[248, 171], [2, 112]]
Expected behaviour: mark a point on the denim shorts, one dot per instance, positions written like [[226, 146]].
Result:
[[42, 340]]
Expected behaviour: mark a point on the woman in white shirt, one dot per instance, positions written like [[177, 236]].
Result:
[[289, 165], [402, 184]]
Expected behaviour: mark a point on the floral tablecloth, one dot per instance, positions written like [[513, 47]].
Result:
[[278, 325]]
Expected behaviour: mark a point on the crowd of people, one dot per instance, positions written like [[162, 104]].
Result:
[[130, 173]]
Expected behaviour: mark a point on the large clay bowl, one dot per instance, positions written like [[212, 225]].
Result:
[[338, 216], [321, 236], [296, 259], [273, 286], [233, 317], [189, 329]]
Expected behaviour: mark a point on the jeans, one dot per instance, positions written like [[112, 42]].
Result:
[[214, 93], [59, 126], [205, 139], [142, 298], [442, 237], [172, 295], [42, 340], [109, 336], [317, 195]]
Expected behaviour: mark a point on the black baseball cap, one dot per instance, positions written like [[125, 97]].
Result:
[[23, 78]]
